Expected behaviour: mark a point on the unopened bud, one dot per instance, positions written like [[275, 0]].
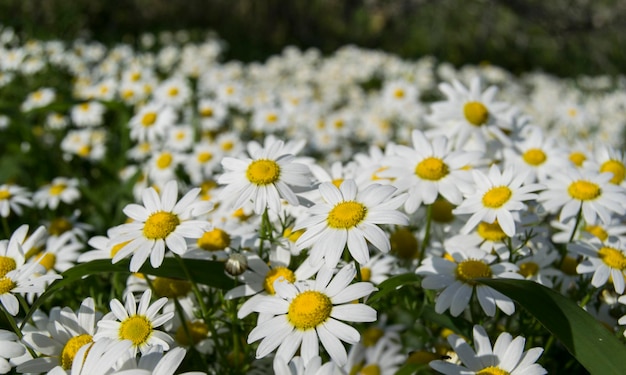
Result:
[[236, 264]]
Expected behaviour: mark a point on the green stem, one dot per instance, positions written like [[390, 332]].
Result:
[[429, 218], [5, 226], [17, 330], [194, 286], [358, 271], [578, 218]]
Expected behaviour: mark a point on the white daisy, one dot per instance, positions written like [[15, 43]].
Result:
[[11, 348], [506, 357], [151, 122], [605, 259], [350, 217], [136, 323], [573, 190], [456, 279], [497, 195], [264, 178], [22, 280], [98, 358], [154, 363], [306, 313], [61, 189], [429, 169], [160, 222]]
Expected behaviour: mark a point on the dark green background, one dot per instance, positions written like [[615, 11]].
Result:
[[564, 37]]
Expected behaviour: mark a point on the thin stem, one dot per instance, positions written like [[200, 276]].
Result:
[[5, 226], [16, 329], [358, 271], [578, 218], [429, 218], [194, 286]]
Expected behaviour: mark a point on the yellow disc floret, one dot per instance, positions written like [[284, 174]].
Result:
[[528, 269], [534, 156], [196, 331], [309, 309], [47, 259], [476, 113], [346, 215], [263, 172], [148, 119], [7, 264], [4, 194], [6, 285], [214, 240], [617, 168], [404, 244], [59, 226], [584, 190], [71, 348], [442, 211], [372, 369], [160, 224], [497, 196], [57, 189], [371, 336], [366, 274], [432, 169], [469, 270], [274, 274], [597, 231], [492, 370], [491, 231], [612, 257], [136, 328], [171, 288], [577, 158], [164, 160]]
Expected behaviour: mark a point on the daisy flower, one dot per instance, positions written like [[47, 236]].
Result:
[[136, 323], [609, 159], [575, 190], [507, 356], [11, 348], [497, 195], [212, 113], [384, 358], [428, 170], [151, 122], [12, 251], [350, 217], [61, 189], [160, 222], [22, 280], [297, 366], [456, 279], [605, 259], [470, 114], [264, 178], [97, 358], [305, 313], [154, 363], [65, 333], [88, 114]]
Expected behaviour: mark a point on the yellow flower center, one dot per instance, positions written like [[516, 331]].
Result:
[[442, 211], [198, 331], [164, 160], [57, 189], [615, 167], [371, 336], [206, 112], [469, 270], [398, 93], [422, 357], [171, 288], [404, 244], [568, 265], [59, 226], [136, 328], [534, 156], [148, 119], [173, 91], [4, 194], [291, 235], [214, 240], [337, 182], [204, 156], [117, 248], [491, 231], [597, 231], [274, 274], [372, 369], [476, 113], [181, 135], [227, 145], [432, 169], [497, 196], [263, 172], [7, 265], [492, 370], [528, 269], [346, 215], [6, 285], [71, 348], [584, 190], [48, 260], [309, 309], [366, 274], [160, 224], [272, 117], [577, 158], [84, 107], [612, 257]]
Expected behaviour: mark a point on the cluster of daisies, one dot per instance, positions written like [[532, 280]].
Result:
[[309, 181]]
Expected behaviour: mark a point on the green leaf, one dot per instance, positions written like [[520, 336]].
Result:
[[595, 347], [205, 272], [392, 284]]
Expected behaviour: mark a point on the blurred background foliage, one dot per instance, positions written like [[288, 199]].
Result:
[[563, 37]]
